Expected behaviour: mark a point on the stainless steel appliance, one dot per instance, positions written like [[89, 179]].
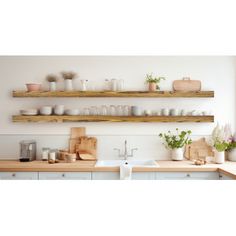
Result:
[[27, 150]]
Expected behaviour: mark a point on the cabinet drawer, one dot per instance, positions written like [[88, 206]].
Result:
[[143, 176], [65, 175], [105, 175], [188, 175], [19, 175]]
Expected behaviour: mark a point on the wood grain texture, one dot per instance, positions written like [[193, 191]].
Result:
[[60, 119], [160, 94]]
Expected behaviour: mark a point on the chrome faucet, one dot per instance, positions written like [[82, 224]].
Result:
[[125, 155]]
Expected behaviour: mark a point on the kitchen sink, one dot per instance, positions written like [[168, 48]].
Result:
[[134, 163]]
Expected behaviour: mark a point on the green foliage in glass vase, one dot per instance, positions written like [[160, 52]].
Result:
[[178, 140]]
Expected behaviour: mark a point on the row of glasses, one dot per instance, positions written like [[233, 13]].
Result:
[[112, 110]]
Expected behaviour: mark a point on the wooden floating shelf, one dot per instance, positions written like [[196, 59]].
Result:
[[60, 119], [158, 94]]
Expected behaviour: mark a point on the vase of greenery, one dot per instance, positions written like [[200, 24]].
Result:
[[153, 82], [68, 79], [176, 142], [220, 141], [52, 79]]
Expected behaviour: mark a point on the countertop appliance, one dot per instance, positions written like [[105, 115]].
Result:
[[27, 150]]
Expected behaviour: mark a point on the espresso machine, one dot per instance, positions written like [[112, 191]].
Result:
[[27, 150]]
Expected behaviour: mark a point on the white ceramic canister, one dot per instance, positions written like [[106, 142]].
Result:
[[165, 112], [59, 110], [114, 84], [232, 155], [52, 86], [177, 154], [68, 83], [219, 157]]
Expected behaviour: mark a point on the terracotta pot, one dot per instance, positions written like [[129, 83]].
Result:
[[152, 87], [33, 87]]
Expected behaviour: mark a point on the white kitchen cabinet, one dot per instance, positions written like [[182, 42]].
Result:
[[18, 175], [105, 175], [187, 175], [64, 175], [224, 177], [143, 176]]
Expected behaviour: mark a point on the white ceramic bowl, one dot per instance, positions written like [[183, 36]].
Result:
[[29, 112], [46, 110], [72, 112]]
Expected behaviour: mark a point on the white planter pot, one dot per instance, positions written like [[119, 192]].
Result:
[[68, 85], [232, 155], [52, 86], [177, 154], [219, 157]]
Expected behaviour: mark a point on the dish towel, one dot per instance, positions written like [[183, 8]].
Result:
[[125, 172]]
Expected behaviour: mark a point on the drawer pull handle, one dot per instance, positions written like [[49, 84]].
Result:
[[13, 175], [63, 175], [188, 175]]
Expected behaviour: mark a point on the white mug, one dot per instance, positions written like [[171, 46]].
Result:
[[59, 110]]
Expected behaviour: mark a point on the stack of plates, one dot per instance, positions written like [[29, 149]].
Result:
[[29, 112]]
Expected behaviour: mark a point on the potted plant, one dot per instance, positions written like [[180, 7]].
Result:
[[231, 140], [153, 82], [52, 79], [176, 142], [68, 78], [220, 140]]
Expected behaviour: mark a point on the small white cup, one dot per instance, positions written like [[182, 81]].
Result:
[[46, 110], [59, 110], [165, 112]]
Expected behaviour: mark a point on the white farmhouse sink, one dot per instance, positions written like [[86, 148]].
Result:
[[134, 163]]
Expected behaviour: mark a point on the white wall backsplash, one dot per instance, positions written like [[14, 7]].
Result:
[[216, 73], [149, 146]]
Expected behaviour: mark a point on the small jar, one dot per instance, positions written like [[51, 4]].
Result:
[[52, 156], [107, 85], [45, 154], [114, 84], [120, 85]]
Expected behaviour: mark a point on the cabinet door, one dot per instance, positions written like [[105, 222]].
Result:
[[105, 175], [224, 177], [65, 175], [187, 175], [19, 175], [143, 176]]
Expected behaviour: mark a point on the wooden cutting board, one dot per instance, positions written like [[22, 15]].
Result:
[[76, 133], [87, 145], [199, 149]]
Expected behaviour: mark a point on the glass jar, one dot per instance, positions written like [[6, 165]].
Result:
[[114, 84], [107, 85], [103, 110], [45, 154], [112, 110], [120, 85]]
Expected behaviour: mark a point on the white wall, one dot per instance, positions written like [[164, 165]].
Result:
[[216, 73]]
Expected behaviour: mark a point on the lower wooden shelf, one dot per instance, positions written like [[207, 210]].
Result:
[[60, 119]]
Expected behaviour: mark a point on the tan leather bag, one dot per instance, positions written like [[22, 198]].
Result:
[[187, 85]]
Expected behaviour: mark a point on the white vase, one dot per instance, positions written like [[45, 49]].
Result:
[[232, 155], [219, 157], [177, 154], [68, 85], [52, 86]]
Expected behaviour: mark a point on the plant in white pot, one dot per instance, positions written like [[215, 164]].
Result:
[[231, 149], [153, 82], [176, 142], [220, 139], [68, 77], [52, 79]]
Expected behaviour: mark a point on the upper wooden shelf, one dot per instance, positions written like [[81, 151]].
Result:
[[158, 94]]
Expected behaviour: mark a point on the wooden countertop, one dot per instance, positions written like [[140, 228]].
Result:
[[228, 168]]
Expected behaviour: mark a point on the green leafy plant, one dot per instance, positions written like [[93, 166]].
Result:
[[151, 79], [231, 146], [221, 146], [178, 140]]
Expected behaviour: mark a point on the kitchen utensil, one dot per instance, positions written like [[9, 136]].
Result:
[[76, 132], [72, 112], [87, 145], [32, 87], [186, 85], [46, 110], [29, 112], [59, 110], [198, 149], [70, 157], [27, 150]]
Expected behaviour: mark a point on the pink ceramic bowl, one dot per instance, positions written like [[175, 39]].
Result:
[[33, 87]]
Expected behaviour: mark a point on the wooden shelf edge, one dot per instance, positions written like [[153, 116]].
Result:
[[160, 94], [61, 119]]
